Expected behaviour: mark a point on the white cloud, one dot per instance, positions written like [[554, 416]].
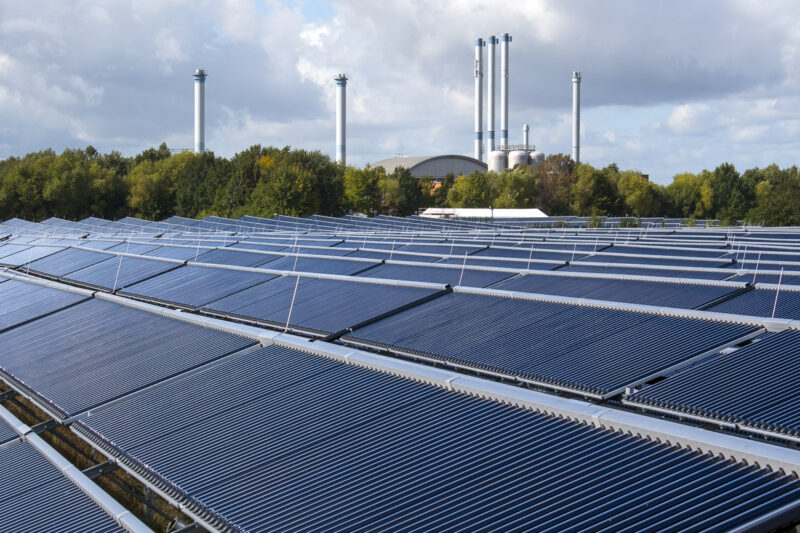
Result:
[[748, 133], [92, 96], [168, 49], [689, 118], [681, 88]]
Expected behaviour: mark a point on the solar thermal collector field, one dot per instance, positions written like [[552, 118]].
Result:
[[408, 374]]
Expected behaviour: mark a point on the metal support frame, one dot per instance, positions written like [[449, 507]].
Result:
[[7, 395], [100, 469], [47, 425]]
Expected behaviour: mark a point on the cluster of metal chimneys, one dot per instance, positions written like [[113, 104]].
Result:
[[479, 45], [501, 156]]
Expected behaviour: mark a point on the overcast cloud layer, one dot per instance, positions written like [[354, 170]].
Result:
[[667, 87]]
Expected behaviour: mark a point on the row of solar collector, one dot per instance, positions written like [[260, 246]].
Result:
[[385, 314], [122, 264], [381, 224], [653, 254], [330, 238], [41, 491], [269, 436]]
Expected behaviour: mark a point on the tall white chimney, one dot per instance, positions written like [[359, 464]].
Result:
[[341, 118], [490, 89], [576, 117], [525, 136], [505, 39], [479, 44], [199, 111]]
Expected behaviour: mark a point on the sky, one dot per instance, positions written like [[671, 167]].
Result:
[[668, 86]]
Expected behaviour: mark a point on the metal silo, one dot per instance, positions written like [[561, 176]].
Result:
[[497, 161], [518, 157]]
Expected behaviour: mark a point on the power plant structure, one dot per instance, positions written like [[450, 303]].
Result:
[[512, 155], [506, 155], [479, 44], [504, 41], [488, 155], [199, 111], [341, 118], [502, 155], [576, 117], [490, 92]]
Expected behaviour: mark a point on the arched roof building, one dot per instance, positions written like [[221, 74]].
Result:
[[437, 166]]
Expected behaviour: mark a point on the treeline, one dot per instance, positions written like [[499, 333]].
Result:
[[264, 181], [156, 184]]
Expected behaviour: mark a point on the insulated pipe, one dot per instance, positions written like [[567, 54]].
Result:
[[576, 117], [199, 111], [505, 39], [525, 135], [490, 88], [341, 118], [479, 44]]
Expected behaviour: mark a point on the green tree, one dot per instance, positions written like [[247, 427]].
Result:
[[595, 191], [440, 193], [685, 194], [154, 154], [513, 189], [555, 178], [639, 196], [361, 191], [152, 196], [285, 190], [727, 199], [410, 197], [197, 182], [470, 191], [777, 199], [246, 170]]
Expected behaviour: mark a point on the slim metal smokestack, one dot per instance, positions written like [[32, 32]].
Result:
[[479, 44], [199, 111], [341, 118], [576, 117], [505, 39], [490, 88], [525, 131]]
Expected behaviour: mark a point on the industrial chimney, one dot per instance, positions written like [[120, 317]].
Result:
[[525, 136], [199, 111], [490, 89], [479, 44], [505, 39], [341, 117], [576, 117]]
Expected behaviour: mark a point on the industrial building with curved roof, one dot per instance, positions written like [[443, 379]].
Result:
[[436, 166]]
